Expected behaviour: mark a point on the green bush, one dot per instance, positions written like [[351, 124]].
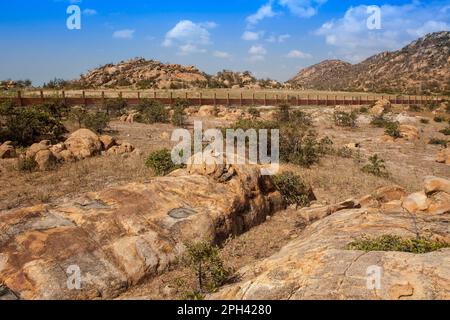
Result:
[[179, 117], [254, 112], [293, 190], [440, 142], [344, 152], [152, 112], [392, 129], [364, 109], [203, 259], [445, 131], [283, 113], [345, 119], [396, 243], [27, 125], [115, 107], [415, 108], [301, 118], [376, 167], [161, 162], [439, 119], [95, 121], [379, 121], [26, 164]]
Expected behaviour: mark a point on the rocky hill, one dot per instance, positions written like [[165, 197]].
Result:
[[149, 74], [422, 66]]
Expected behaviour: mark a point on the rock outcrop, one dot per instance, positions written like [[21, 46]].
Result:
[[318, 264], [119, 236], [444, 156], [422, 65], [7, 150]]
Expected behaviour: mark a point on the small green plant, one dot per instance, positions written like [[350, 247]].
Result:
[[161, 162], [203, 259], [440, 142], [78, 114], [179, 117], [392, 129], [396, 243], [345, 119], [26, 164], [254, 112], [96, 121], [415, 108], [115, 107], [152, 112], [379, 121], [344, 152], [301, 118], [376, 167], [293, 190], [363, 109], [283, 113], [445, 131]]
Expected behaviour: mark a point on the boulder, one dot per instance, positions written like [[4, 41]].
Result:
[[409, 132], [83, 144], [434, 200], [381, 106], [121, 149], [317, 265], [107, 142], [435, 184], [7, 150], [35, 148], [67, 156], [45, 160], [206, 111], [388, 194], [444, 156], [121, 235]]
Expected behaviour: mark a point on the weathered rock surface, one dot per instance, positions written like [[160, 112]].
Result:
[[444, 156], [318, 266], [7, 150], [381, 106], [83, 144], [121, 235]]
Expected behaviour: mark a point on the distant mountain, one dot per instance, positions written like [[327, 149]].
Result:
[[150, 74], [421, 67]]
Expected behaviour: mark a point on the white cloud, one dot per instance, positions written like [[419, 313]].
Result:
[[297, 54], [400, 25], [302, 8], [124, 34], [278, 38], [252, 36], [189, 36], [89, 12], [222, 55], [299, 8], [263, 12], [257, 53]]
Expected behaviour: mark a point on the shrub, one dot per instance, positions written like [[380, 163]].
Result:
[[376, 167], [345, 119], [77, 114], [415, 108], [115, 107], [379, 121], [96, 121], [56, 109], [301, 118], [152, 112], [179, 117], [436, 141], [293, 190], [283, 113], [254, 112], [344, 152], [392, 129], [203, 259], [27, 125], [439, 119], [396, 243], [161, 162], [424, 121], [364, 109], [26, 164], [445, 131]]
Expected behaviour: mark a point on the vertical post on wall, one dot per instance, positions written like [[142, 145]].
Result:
[[253, 99], [327, 100], [201, 99], [154, 95], [139, 95], [240, 100], [63, 95], [317, 100], [265, 99], [228, 99], [42, 96], [215, 99], [19, 98], [307, 100], [171, 98], [103, 99], [84, 97], [276, 97], [298, 100]]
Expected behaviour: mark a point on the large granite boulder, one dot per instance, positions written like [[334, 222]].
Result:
[[119, 236]]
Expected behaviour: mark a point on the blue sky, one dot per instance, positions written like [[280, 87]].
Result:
[[271, 38]]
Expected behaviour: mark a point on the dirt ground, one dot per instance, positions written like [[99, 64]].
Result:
[[334, 179]]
